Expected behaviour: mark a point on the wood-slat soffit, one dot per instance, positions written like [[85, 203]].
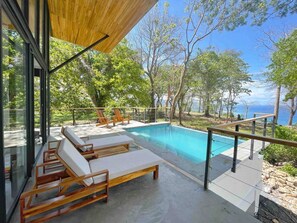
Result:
[[83, 22]]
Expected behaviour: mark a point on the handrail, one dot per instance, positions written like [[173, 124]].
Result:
[[222, 129], [240, 122], [256, 137]]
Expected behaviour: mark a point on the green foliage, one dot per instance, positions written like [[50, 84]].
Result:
[[67, 87], [214, 74], [97, 79], [279, 153], [284, 66], [290, 169]]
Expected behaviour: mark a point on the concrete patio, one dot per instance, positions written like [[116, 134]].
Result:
[[177, 196]]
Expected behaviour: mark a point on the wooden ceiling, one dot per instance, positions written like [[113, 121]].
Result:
[[85, 21]]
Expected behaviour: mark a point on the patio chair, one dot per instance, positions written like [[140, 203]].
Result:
[[102, 120], [103, 146], [95, 176], [119, 118]]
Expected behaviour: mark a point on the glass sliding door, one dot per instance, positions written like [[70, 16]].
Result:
[[14, 111]]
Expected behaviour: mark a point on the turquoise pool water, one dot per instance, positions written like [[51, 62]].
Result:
[[182, 141]]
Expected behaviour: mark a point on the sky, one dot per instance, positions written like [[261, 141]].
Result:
[[245, 39]]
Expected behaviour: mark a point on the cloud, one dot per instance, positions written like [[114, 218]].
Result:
[[262, 93]]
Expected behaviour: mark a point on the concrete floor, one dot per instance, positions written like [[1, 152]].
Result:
[[174, 197]]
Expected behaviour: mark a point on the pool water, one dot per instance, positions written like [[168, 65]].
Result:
[[182, 141]]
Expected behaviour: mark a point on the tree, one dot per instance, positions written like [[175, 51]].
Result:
[[97, 79], [156, 43], [67, 88], [217, 75], [235, 77], [207, 77], [115, 79], [205, 17], [269, 42], [283, 69]]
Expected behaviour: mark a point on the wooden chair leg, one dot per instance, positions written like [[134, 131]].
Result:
[[156, 173]]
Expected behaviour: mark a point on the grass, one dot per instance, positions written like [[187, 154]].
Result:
[[200, 122]]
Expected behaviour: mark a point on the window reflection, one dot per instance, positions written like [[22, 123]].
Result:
[[14, 110]]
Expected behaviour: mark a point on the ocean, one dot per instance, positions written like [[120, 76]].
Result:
[[284, 112], [252, 109]]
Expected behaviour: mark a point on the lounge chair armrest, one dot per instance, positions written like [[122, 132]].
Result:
[[55, 185], [48, 163], [90, 154], [49, 155], [102, 119], [55, 162]]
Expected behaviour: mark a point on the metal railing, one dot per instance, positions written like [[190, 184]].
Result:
[[76, 116], [225, 129]]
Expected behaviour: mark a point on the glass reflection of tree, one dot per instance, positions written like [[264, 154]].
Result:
[[13, 78]]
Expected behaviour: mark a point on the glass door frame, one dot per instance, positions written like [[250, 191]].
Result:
[[19, 18]]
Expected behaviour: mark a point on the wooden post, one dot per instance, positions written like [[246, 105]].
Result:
[[235, 150], [207, 162]]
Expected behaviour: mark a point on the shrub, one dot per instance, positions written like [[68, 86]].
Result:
[[290, 169], [278, 153]]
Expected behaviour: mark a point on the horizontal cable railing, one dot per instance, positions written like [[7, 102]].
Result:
[[88, 115]]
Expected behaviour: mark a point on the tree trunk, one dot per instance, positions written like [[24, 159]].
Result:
[[276, 105], [199, 105], [293, 109], [206, 112], [180, 87], [168, 97]]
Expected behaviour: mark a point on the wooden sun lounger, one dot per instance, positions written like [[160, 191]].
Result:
[[88, 175], [103, 146]]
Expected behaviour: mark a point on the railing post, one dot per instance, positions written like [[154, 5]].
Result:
[[208, 154], [273, 126], [264, 132], [235, 150], [144, 114], [252, 140], [133, 116], [73, 117]]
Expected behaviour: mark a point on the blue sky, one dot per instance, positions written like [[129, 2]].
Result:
[[246, 40]]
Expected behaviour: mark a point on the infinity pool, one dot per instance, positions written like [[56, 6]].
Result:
[[182, 141]]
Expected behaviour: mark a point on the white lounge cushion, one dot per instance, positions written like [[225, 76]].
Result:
[[77, 163], [110, 141], [125, 163], [74, 138]]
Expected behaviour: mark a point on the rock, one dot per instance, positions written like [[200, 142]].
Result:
[[283, 190], [281, 181], [275, 221], [295, 184], [267, 189]]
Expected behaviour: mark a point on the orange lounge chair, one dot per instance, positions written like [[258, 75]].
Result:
[[119, 118], [102, 120], [93, 176]]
